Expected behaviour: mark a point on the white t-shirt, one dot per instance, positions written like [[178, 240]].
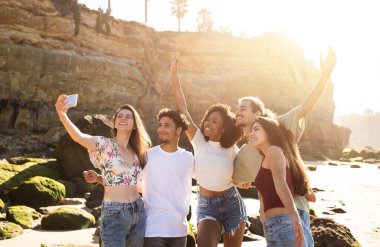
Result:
[[166, 189], [213, 164]]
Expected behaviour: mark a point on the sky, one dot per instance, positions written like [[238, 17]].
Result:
[[351, 27]]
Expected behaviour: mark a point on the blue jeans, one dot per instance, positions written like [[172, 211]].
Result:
[[165, 242], [305, 221], [228, 209], [123, 224], [280, 232]]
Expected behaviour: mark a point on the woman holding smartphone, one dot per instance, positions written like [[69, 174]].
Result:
[[120, 160]]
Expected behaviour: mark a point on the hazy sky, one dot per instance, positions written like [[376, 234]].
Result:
[[351, 27]]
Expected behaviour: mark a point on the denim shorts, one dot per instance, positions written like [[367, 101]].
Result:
[[305, 221], [279, 232], [228, 209], [123, 224]]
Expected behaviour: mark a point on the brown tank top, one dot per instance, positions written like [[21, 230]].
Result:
[[265, 185]]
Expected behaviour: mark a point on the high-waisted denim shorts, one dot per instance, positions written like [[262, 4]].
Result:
[[279, 231], [228, 210]]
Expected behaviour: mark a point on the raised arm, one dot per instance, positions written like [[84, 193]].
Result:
[[85, 140], [327, 66], [180, 98], [276, 162]]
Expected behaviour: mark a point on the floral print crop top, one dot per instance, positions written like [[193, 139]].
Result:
[[114, 170]]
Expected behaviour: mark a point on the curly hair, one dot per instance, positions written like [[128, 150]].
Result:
[[231, 132], [179, 119]]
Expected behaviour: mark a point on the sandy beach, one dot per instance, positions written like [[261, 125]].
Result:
[[356, 191]]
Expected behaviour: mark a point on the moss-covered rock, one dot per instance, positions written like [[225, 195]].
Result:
[[9, 230], [190, 236], [38, 192], [12, 175], [69, 186], [22, 215], [22, 160], [67, 218], [2, 205], [96, 212]]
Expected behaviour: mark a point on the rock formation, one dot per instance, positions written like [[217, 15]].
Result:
[[41, 58]]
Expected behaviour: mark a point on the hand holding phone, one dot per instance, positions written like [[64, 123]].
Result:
[[71, 100]]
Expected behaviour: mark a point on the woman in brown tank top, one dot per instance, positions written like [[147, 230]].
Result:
[[281, 175]]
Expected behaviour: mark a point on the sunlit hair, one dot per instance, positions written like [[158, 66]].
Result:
[[139, 140], [179, 119], [258, 106], [283, 138], [231, 132]]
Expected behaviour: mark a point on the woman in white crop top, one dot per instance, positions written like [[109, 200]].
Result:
[[220, 207], [120, 160]]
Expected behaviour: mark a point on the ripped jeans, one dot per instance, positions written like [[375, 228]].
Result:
[[228, 209]]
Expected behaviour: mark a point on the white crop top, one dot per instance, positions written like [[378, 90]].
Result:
[[213, 164], [108, 159]]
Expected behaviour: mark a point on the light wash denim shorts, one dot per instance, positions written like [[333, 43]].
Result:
[[229, 210], [279, 231], [123, 224]]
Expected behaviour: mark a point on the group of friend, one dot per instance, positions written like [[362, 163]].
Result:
[[163, 174]]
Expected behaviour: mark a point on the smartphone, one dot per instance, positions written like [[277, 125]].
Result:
[[72, 100]]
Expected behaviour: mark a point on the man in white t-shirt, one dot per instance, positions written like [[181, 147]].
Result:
[[166, 184]]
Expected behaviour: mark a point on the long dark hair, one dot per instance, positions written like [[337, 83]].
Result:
[[283, 138], [231, 132], [139, 140]]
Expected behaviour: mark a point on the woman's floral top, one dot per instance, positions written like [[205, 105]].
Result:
[[109, 160]]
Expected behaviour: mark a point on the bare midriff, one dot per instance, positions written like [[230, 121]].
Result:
[[275, 211], [211, 193], [120, 193]]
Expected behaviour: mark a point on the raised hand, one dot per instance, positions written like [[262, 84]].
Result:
[[327, 65], [60, 104], [174, 65]]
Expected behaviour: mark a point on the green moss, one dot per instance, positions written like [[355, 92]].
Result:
[[2, 205], [9, 230], [22, 215], [69, 186], [67, 218], [13, 175], [38, 192]]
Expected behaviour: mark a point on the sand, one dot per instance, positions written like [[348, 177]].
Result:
[[356, 191]]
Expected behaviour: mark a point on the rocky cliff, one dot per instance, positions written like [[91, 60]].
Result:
[[40, 58]]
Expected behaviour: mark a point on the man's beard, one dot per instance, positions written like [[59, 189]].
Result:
[[164, 141], [241, 125]]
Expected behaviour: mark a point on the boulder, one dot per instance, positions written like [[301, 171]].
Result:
[[312, 167], [96, 197], [349, 153], [256, 226], [69, 187], [22, 215], [12, 175], [2, 205], [96, 212], [9, 230], [328, 233], [81, 186], [73, 157], [355, 166], [190, 236], [38, 192], [67, 218]]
